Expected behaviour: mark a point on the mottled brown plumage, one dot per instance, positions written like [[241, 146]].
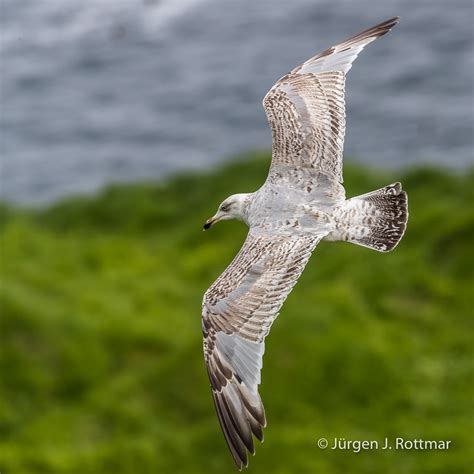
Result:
[[301, 203]]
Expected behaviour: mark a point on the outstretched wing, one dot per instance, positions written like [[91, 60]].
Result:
[[306, 112], [238, 310]]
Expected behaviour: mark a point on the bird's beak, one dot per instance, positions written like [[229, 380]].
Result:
[[209, 222]]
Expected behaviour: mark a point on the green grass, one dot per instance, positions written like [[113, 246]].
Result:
[[101, 356]]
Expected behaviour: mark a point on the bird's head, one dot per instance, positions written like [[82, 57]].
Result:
[[234, 207]]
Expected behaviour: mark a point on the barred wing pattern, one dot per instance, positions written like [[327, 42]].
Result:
[[238, 311], [306, 110]]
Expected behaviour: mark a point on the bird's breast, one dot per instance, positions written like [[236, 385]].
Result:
[[287, 210]]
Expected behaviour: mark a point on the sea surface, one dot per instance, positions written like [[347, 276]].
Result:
[[102, 91]]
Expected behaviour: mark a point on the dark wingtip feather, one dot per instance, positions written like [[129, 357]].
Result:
[[235, 446], [237, 434], [239, 410], [386, 26], [377, 30]]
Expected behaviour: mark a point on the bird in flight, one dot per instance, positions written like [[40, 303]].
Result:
[[301, 203]]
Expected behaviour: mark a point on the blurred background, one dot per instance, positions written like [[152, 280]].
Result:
[[123, 124], [113, 90]]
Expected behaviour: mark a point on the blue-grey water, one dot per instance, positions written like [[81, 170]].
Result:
[[115, 90]]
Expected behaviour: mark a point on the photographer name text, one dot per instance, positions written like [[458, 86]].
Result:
[[357, 445]]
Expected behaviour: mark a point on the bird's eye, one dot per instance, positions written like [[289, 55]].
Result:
[[224, 208]]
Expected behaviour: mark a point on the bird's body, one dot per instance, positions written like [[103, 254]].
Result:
[[301, 203], [295, 210]]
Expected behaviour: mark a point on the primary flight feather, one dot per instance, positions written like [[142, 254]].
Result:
[[301, 203]]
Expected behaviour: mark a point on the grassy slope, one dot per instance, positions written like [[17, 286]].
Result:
[[101, 347]]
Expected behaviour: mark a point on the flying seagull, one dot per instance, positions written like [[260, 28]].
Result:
[[301, 203]]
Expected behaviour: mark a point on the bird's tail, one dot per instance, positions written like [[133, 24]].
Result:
[[376, 220]]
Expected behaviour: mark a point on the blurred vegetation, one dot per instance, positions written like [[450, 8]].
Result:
[[101, 356]]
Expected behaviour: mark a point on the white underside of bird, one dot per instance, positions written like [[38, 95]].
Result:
[[301, 203]]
